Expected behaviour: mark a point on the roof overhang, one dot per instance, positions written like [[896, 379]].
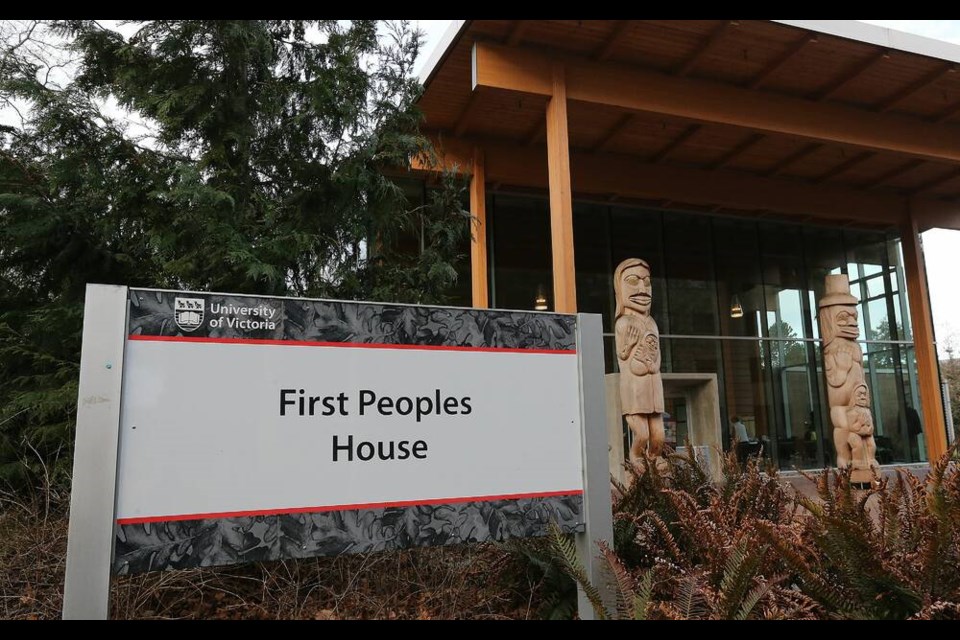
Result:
[[881, 37], [842, 111]]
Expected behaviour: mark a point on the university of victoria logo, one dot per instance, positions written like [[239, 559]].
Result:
[[188, 312]]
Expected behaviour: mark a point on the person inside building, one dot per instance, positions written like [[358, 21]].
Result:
[[740, 439]]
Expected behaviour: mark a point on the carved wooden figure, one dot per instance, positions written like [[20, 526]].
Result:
[[847, 394], [638, 352]]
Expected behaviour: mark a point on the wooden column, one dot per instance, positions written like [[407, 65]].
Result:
[[934, 426], [478, 232], [561, 204]]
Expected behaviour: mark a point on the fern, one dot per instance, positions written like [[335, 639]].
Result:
[[644, 596], [687, 550], [739, 571], [626, 595], [753, 597], [566, 551], [689, 601], [669, 541], [811, 579]]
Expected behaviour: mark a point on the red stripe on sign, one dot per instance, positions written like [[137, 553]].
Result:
[[353, 345], [342, 507]]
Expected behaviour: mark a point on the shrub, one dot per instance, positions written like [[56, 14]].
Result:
[[751, 547]]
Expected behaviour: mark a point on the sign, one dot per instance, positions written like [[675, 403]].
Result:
[[260, 428]]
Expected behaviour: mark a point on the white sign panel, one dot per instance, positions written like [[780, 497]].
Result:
[[212, 430], [263, 428]]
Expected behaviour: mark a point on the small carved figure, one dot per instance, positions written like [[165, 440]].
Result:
[[638, 352], [856, 423]]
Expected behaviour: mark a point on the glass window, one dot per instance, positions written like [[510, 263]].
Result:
[[866, 253], [522, 258], [746, 396], [882, 367], [898, 317], [823, 251], [591, 244], [798, 434], [901, 303], [784, 280], [638, 233], [913, 416], [691, 284], [685, 355], [824, 428], [878, 321], [676, 423], [609, 355], [739, 287], [867, 266], [748, 290], [876, 286]]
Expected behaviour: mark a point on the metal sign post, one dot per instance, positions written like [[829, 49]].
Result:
[[86, 589], [597, 510]]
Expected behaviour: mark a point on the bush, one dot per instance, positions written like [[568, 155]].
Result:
[[751, 547]]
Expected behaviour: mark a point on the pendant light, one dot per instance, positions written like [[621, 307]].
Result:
[[736, 309], [540, 304]]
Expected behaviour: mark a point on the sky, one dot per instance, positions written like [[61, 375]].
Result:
[[941, 246]]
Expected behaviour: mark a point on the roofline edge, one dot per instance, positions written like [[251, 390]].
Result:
[[881, 37], [442, 49]]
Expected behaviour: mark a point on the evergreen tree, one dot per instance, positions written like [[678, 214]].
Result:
[[266, 172]]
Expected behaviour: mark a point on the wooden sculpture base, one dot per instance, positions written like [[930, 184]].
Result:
[[863, 477]]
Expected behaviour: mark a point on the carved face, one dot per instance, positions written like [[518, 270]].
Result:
[[635, 289], [846, 320], [861, 396]]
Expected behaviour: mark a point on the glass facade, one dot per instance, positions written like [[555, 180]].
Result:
[[736, 298]]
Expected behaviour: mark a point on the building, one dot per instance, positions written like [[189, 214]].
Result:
[[745, 160]]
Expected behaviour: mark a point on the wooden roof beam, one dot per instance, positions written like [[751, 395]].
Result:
[[676, 143], [852, 74], [779, 63], [708, 43], [464, 118], [931, 213], [623, 177], [792, 159], [936, 182], [896, 172], [735, 152], [646, 91], [915, 87], [607, 173], [618, 127], [517, 33], [844, 166], [536, 132], [947, 114], [613, 41]]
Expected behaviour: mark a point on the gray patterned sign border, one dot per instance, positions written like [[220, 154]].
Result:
[[152, 313], [223, 541]]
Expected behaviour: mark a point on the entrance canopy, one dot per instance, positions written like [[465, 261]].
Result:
[[831, 121]]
